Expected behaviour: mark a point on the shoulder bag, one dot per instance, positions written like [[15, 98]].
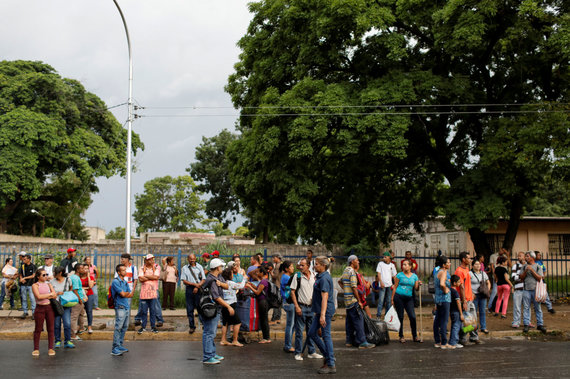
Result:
[[483, 289]]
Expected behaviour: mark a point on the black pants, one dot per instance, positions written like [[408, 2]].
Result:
[[264, 318], [402, 302], [168, 289]]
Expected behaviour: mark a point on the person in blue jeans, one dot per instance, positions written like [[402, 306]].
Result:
[[27, 273], [323, 310], [456, 314], [442, 301], [61, 284], [479, 278], [385, 271], [287, 269], [121, 294]]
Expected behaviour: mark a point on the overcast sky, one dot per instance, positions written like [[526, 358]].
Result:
[[183, 53]]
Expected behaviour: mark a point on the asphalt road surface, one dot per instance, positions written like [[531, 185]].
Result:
[[165, 359]]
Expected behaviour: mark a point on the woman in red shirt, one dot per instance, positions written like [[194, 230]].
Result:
[[87, 282]]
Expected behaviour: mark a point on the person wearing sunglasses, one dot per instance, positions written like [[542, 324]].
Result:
[[43, 292]]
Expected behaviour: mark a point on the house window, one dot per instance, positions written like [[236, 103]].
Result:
[[435, 243], [452, 242], [495, 241], [559, 243]]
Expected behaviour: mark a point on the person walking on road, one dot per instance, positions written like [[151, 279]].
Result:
[[43, 291], [121, 293]]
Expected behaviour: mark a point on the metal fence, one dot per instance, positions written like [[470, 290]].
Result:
[[107, 257]]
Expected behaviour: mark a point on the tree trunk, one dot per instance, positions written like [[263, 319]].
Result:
[[513, 224], [480, 243], [265, 234]]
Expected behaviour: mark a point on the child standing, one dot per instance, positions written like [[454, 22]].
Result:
[[456, 314]]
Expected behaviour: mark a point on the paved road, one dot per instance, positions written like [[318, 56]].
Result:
[[154, 359]]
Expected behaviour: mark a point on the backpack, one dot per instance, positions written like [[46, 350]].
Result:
[[288, 290], [274, 296], [206, 306], [110, 298]]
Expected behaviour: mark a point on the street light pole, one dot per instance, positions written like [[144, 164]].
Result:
[[129, 132]]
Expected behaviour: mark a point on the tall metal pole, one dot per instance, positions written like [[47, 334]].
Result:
[[129, 131]]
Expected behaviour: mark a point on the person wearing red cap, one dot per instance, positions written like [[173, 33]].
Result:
[[70, 261], [206, 257]]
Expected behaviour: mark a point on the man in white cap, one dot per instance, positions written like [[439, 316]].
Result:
[[149, 275], [210, 325]]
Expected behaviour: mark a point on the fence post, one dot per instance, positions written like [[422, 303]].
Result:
[[179, 264], [95, 256], [265, 254]]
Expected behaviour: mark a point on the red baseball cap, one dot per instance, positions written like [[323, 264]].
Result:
[[206, 255], [71, 250], [215, 253]]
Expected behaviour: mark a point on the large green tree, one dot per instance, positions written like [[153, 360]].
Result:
[[210, 171], [55, 139], [361, 117], [168, 205]]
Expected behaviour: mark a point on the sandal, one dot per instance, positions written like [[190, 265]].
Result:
[[36, 353], [486, 331], [265, 341], [236, 344], [225, 343], [402, 340], [418, 340]]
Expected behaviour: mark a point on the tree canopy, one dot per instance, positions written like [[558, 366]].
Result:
[[359, 118], [55, 139], [168, 205]]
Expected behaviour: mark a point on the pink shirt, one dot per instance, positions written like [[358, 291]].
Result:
[[171, 274], [43, 289], [149, 287]]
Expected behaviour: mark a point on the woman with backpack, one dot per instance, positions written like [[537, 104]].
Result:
[[261, 292], [287, 269]]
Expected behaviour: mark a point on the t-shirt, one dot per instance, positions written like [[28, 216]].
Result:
[[405, 284], [500, 272], [49, 270], [198, 273], [387, 271], [304, 294], [454, 298], [230, 294], [117, 287], [27, 270], [516, 271], [170, 274], [349, 281], [76, 285], [9, 271], [323, 283], [68, 264], [529, 280], [210, 282], [149, 287], [493, 259], [85, 284], [465, 278], [61, 286], [284, 280], [478, 279], [414, 265], [263, 294]]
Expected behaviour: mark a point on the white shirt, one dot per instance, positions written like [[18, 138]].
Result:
[[387, 272], [8, 270], [305, 293]]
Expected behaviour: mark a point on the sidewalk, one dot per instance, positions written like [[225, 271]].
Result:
[[175, 328]]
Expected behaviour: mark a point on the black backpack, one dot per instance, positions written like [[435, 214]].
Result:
[[207, 307], [274, 296], [288, 289]]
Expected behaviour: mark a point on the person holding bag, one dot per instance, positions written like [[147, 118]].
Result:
[[406, 282], [43, 292], [481, 288], [61, 284]]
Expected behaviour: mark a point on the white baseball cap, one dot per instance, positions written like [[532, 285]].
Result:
[[216, 262]]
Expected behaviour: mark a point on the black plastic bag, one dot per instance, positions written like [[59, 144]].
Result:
[[373, 331]]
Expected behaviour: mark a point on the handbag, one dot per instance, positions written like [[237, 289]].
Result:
[[483, 289], [57, 307], [163, 275]]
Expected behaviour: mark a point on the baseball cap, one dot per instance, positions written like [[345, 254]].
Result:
[[148, 256], [216, 262], [215, 253], [206, 255], [352, 258], [48, 256], [387, 254], [71, 250], [230, 264], [22, 254]]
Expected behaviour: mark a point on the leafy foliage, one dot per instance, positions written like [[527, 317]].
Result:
[[116, 234]]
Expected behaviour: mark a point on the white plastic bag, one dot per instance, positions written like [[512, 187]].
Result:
[[391, 319], [470, 315], [540, 292]]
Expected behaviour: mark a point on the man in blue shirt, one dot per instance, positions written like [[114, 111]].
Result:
[[323, 308], [193, 277], [120, 292]]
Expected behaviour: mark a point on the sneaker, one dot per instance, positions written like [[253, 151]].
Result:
[[81, 331], [211, 361], [551, 310], [525, 329], [541, 328], [366, 345], [315, 355], [138, 322], [24, 315], [516, 326], [437, 345], [69, 345], [76, 338], [141, 330], [298, 357], [531, 325], [123, 349], [348, 344], [458, 346], [192, 330], [154, 330], [51, 352], [57, 345], [159, 324], [451, 347], [219, 357], [116, 352], [327, 370]]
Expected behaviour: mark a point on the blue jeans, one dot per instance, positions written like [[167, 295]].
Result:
[[95, 296], [3, 295], [455, 327], [157, 308], [208, 345], [89, 309], [66, 318], [384, 300], [303, 322], [121, 325], [145, 306], [440, 323], [192, 301], [290, 314], [528, 298], [493, 295], [354, 324], [517, 306], [324, 343], [481, 307], [26, 291]]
